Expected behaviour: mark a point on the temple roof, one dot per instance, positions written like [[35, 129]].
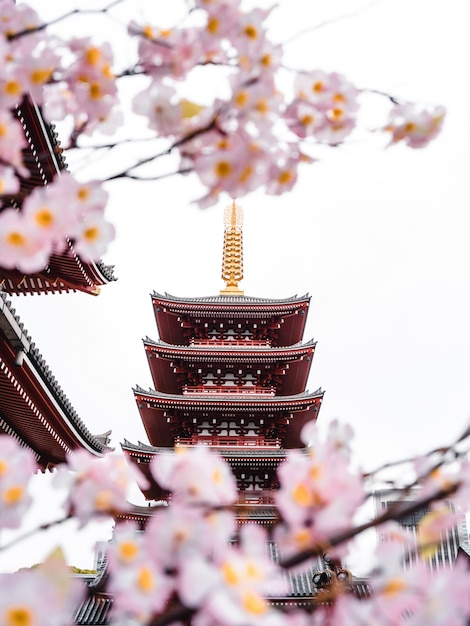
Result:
[[235, 350], [233, 401], [33, 407], [43, 158], [281, 320], [230, 300]]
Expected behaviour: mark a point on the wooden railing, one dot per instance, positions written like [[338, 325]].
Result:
[[229, 389], [251, 441], [256, 343], [255, 497]]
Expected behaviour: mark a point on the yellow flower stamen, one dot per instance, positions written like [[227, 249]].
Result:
[[254, 603], [301, 494], [19, 616], [15, 239], [93, 56], [40, 77], [13, 495], [127, 551], [12, 88], [250, 31], [91, 234], [230, 574], [394, 587], [146, 580], [223, 168], [44, 218], [284, 177]]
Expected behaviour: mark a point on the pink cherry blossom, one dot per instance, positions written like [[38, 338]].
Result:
[[12, 141], [97, 486], [414, 125], [17, 465], [92, 235], [31, 597], [196, 475], [9, 183], [19, 244], [318, 496], [245, 576], [137, 578]]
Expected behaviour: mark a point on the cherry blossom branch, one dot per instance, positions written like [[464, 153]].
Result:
[[192, 135], [34, 531], [392, 513], [186, 170], [62, 18], [327, 22]]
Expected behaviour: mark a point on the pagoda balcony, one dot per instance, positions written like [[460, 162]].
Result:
[[264, 496], [248, 390], [239, 441], [232, 343]]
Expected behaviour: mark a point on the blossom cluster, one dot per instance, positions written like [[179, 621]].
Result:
[[254, 136], [195, 562]]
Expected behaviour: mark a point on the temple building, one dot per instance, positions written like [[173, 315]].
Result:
[[229, 371], [454, 540], [65, 272], [33, 407]]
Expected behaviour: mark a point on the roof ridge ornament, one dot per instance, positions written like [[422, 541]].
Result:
[[232, 259]]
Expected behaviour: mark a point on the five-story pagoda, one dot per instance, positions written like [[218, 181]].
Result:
[[230, 372]]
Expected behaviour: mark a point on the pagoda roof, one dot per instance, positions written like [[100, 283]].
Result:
[[294, 411], [173, 315], [43, 158], [292, 380], [33, 407], [227, 452], [232, 402], [255, 457], [231, 302], [235, 351]]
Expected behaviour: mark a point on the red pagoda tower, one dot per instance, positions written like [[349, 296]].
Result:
[[230, 372]]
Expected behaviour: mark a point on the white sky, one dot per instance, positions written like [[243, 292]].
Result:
[[378, 237]]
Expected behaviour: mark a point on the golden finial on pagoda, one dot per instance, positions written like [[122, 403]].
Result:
[[232, 260]]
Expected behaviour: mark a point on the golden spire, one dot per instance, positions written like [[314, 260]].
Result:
[[232, 260]]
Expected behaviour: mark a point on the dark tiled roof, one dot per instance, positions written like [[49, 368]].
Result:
[[93, 611], [230, 299], [18, 337]]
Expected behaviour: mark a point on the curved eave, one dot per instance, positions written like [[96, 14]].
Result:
[[229, 401], [43, 159], [65, 273], [168, 310], [33, 407], [155, 410], [161, 358]]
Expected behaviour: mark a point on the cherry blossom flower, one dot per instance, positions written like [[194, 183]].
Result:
[[12, 141], [9, 183], [28, 599], [92, 236], [137, 579], [196, 475], [97, 486], [19, 245], [414, 125], [245, 575], [49, 220], [17, 465], [318, 496], [159, 104]]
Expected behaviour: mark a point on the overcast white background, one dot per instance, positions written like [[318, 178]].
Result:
[[378, 237]]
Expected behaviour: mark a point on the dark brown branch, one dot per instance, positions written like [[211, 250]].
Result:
[[390, 514]]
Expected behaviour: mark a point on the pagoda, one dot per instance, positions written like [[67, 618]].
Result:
[[230, 372]]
